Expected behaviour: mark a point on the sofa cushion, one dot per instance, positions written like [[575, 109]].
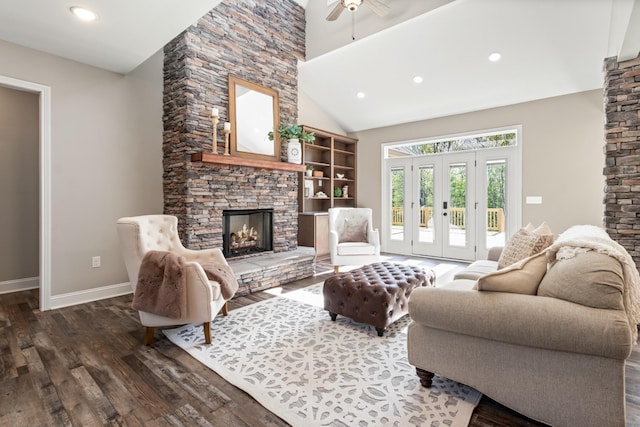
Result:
[[523, 277], [460, 285], [477, 269], [590, 278], [523, 244], [356, 248]]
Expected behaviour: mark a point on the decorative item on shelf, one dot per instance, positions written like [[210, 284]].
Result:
[[345, 191], [227, 132], [337, 191], [318, 174], [321, 195], [309, 170], [294, 134], [340, 176], [308, 188], [215, 115]]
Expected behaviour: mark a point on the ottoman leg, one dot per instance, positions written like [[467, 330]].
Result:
[[380, 331], [425, 377], [333, 316]]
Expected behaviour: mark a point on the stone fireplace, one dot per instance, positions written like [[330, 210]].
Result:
[[260, 41], [247, 231]]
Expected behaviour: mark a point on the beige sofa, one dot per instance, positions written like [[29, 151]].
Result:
[[557, 356]]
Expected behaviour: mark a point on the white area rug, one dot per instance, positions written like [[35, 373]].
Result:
[[310, 371]]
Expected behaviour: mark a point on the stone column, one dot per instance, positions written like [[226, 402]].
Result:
[[622, 151]]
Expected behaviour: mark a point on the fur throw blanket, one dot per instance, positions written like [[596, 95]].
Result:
[[583, 238], [162, 285], [223, 274]]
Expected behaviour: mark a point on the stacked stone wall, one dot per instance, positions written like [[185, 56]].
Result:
[[622, 150], [260, 41]]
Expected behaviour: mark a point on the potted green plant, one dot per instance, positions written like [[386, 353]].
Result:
[[309, 170], [294, 133]]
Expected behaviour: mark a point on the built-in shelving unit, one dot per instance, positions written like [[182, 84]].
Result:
[[331, 154]]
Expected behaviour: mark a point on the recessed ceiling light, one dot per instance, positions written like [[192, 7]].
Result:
[[495, 57], [418, 79], [360, 95], [82, 13]]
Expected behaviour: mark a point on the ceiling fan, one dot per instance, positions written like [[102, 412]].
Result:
[[376, 6]]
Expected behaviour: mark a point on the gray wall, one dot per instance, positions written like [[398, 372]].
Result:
[[106, 144], [562, 157], [19, 184]]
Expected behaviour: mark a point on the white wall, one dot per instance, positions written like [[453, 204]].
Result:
[[106, 145], [563, 157]]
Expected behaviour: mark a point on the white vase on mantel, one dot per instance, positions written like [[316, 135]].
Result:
[[294, 151]]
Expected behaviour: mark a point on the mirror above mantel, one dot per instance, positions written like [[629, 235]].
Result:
[[253, 113]]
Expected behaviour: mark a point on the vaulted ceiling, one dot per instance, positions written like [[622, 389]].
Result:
[[548, 47]]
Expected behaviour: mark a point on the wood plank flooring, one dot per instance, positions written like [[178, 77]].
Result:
[[86, 366]]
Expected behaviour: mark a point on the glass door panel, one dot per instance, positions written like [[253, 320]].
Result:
[[397, 204], [426, 224], [496, 176], [457, 204]]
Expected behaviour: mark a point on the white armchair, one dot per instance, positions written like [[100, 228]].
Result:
[[352, 239], [141, 234]]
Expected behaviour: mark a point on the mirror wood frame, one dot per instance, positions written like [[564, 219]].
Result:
[[234, 82]]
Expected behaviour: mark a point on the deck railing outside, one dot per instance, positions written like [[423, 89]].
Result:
[[495, 217]]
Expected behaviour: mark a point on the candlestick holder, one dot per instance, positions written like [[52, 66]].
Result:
[[214, 146], [227, 132]]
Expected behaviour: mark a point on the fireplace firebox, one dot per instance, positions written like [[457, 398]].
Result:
[[247, 231]]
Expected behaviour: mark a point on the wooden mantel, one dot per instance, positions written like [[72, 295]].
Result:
[[241, 161]]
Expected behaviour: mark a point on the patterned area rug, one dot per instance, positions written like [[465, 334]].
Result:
[[310, 371]]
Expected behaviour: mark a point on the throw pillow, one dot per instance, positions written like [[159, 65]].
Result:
[[522, 245], [353, 231], [591, 278], [522, 277]]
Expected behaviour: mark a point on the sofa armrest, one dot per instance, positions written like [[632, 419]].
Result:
[[527, 320], [494, 253]]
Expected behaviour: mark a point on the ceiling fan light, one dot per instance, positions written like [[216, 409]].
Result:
[[352, 5]]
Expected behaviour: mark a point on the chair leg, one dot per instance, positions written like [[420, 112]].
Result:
[[207, 332], [225, 309], [148, 338], [336, 269]]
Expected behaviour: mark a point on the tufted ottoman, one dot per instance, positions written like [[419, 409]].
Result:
[[375, 294]]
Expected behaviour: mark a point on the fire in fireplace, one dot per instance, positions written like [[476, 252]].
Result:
[[247, 231]]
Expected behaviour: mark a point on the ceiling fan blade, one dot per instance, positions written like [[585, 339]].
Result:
[[336, 12], [377, 7]]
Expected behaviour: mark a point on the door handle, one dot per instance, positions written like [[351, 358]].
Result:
[[444, 214], [444, 205]]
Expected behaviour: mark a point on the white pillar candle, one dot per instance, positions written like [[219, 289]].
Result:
[[214, 112], [227, 126]]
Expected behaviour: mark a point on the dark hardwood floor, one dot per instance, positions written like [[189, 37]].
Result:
[[86, 366]]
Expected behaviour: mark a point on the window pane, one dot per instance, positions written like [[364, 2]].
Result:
[[397, 204], [457, 204], [496, 190], [426, 232]]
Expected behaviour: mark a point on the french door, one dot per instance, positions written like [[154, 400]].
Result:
[[452, 205]]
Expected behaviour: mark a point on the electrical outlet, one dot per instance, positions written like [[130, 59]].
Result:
[[95, 261]]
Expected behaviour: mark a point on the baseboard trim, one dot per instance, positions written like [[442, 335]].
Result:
[[19, 285], [90, 295]]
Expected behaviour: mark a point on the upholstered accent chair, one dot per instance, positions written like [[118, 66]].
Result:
[[141, 234], [352, 239]]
